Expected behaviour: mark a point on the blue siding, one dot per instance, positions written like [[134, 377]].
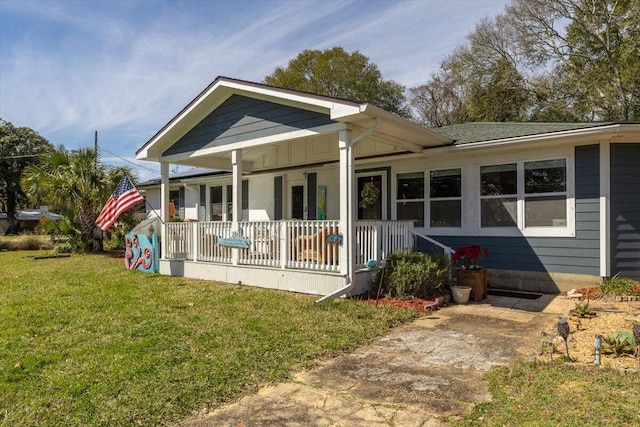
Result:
[[240, 119], [578, 255], [625, 210]]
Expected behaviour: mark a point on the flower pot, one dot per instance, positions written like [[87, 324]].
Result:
[[461, 294], [477, 279]]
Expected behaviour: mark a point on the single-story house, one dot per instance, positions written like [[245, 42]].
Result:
[[306, 189], [28, 219]]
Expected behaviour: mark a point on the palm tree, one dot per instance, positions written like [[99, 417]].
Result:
[[74, 183]]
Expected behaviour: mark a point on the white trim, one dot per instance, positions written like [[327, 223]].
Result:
[[270, 139], [394, 195], [605, 198], [429, 199], [520, 229]]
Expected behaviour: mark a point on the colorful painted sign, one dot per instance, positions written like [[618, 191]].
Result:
[[238, 242], [141, 253], [322, 202]]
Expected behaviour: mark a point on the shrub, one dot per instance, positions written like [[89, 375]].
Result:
[[617, 285], [116, 240], [408, 272]]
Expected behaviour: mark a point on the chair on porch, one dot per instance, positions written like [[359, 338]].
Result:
[[316, 247]]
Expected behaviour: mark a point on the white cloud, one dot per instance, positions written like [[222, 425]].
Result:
[[126, 68]]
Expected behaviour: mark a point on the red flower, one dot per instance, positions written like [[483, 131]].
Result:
[[470, 254]]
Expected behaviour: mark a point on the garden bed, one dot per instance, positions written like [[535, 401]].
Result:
[[610, 316]]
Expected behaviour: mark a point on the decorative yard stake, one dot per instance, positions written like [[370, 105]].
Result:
[[598, 345], [563, 331]]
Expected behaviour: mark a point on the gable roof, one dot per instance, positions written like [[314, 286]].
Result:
[[393, 129]]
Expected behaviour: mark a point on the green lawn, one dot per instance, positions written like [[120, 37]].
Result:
[[84, 342], [558, 394]]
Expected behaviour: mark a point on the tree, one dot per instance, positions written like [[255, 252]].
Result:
[[552, 60], [19, 148], [437, 102], [339, 74], [75, 184], [595, 54]]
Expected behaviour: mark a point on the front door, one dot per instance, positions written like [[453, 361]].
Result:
[[296, 201], [370, 197]]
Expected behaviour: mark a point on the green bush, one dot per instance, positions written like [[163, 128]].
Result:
[[617, 285], [115, 240], [412, 273]]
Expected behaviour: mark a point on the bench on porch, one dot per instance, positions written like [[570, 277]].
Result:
[[316, 246]]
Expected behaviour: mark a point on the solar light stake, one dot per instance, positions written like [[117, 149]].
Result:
[[563, 331], [598, 345]]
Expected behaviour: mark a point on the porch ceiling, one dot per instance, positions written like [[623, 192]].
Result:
[[260, 146]]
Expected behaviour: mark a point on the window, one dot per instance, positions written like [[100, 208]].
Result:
[[215, 201], [445, 198], [536, 189], [545, 188], [498, 195], [410, 197], [174, 204]]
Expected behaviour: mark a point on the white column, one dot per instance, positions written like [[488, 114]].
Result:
[[347, 198], [236, 163], [605, 197], [164, 205]]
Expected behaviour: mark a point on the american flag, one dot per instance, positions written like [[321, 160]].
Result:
[[124, 197]]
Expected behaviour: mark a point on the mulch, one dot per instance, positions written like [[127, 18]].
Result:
[[423, 306]]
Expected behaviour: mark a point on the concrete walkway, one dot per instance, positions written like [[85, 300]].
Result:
[[417, 375]]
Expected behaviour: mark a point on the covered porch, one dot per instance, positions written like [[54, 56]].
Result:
[[287, 146]]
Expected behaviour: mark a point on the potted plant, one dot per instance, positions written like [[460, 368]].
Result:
[[471, 273]]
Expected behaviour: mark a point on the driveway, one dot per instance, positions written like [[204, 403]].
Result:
[[417, 375]]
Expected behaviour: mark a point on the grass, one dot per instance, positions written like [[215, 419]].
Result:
[[617, 285], [558, 394], [27, 242], [85, 342]]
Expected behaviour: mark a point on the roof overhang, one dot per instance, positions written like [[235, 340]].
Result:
[[392, 129], [616, 132]]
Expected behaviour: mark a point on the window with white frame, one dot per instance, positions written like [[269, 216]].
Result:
[[410, 197], [545, 189], [445, 198], [499, 195], [540, 186]]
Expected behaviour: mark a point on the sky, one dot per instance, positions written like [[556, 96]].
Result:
[[125, 68]]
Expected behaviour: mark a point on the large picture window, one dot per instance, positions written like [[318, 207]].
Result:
[[445, 198], [539, 186], [410, 197]]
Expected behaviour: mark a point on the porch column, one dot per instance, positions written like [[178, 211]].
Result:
[[236, 163], [164, 206], [347, 205]]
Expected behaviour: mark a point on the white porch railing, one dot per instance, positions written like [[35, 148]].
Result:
[[295, 244], [377, 239]]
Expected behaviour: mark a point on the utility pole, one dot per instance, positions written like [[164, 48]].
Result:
[[98, 235]]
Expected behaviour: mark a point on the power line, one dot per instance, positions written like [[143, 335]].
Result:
[[128, 161]]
